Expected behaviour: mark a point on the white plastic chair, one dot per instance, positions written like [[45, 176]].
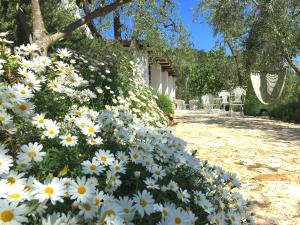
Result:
[[180, 104], [207, 101], [238, 98], [224, 99], [193, 104]]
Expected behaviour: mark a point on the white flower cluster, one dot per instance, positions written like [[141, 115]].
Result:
[[117, 168]]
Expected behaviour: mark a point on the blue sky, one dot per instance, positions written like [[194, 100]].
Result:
[[201, 32]]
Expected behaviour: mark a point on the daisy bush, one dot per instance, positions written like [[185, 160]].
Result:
[[82, 143]]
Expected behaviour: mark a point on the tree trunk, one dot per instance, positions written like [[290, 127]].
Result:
[[23, 32], [117, 25], [39, 32], [135, 31], [236, 60]]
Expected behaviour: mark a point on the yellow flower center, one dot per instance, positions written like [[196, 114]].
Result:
[[143, 202], [157, 173], [31, 154], [217, 221], [91, 130], [23, 92], [23, 165], [164, 212], [22, 107], [81, 190], [135, 155], [11, 180], [68, 138], [117, 167], [15, 196], [49, 191], [103, 158], [206, 207], [83, 124], [7, 216], [42, 120], [110, 213], [51, 132], [97, 201], [87, 206], [1, 118], [30, 84], [93, 167], [177, 220], [126, 210]]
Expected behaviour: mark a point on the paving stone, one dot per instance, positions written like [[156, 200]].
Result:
[[265, 155]]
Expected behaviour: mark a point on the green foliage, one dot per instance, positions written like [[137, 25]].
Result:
[[266, 33], [165, 103], [200, 73]]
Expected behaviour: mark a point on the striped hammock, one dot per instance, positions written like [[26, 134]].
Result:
[[268, 87]]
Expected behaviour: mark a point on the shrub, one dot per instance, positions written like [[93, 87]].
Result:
[[66, 158], [165, 103]]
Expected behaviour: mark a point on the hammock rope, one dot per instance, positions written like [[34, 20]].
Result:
[[268, 87]]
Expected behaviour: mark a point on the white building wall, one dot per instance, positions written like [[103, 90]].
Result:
[[174, 87], [156, 77], [165, 85], [170, 85], [141, 65]]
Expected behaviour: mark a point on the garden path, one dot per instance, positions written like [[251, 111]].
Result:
[[264, 154]]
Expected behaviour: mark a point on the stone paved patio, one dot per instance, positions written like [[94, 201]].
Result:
[[264, 154]]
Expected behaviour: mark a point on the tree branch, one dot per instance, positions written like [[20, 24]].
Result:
[[99, 12], [90, 25]]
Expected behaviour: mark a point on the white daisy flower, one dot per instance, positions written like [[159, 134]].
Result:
[[158, 172], [144, 203], [105, 157], [151, 183], [177, 216], [39, 120], [99, 198], [91, 130], [17, 194], [11, 213], [117, 167], [183, 195], [93, 167], [68, 140], [53, 190], [51, 129], [127, 206], [63, 53], [112, 212], [217, 218], [82, 190], [22, 91], [95, 141], [15, 179], [32, 151], [87, 210]]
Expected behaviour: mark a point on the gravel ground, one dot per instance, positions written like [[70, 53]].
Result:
[[264, 154]]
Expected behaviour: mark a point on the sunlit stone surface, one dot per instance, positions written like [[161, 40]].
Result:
[[264, 154]]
